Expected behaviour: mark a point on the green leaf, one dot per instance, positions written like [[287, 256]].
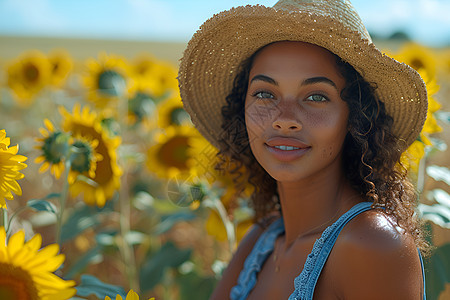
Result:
[[437, 271], [168, 221], [153, 269], [436, 213], [193, 286], [439, 173], [93, 254], [82, 218], [441, 196], [92, 285], [43, 204]]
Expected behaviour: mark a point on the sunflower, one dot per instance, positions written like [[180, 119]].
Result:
[[10, 165], [155, 77], [107, 79], [443, 57], [97, 184], [54, 147], [411, 158], [27, 272], [28, 75], [169, 157], [430, 125], [61, 66], [130, 296], [83, 158], [171, 112], [140, 107], [418, 57], [215, 227]]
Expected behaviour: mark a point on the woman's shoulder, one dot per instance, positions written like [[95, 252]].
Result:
[[374, 256]]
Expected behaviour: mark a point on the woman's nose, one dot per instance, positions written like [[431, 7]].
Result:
[[287, 120]]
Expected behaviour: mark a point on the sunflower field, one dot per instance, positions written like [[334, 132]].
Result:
[[107, 191]]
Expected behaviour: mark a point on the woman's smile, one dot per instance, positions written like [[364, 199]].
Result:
[[286, 149]]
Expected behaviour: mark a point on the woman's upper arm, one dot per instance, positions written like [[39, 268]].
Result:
[[231, 273]]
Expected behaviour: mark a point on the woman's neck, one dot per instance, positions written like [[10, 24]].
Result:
[[311, 205]]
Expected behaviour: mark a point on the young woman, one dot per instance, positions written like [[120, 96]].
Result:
[[300, 96]]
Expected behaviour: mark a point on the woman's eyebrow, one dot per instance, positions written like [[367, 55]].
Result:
[[307, 81], [314, 80], [264, 78]]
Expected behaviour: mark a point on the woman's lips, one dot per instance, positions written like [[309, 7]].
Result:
[[286, 149]]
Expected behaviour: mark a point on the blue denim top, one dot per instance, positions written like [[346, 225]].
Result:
[[305, 282]]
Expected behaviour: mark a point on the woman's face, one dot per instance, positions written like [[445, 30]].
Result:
[[295, 117]]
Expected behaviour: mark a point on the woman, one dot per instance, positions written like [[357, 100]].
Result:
[[320, 118]]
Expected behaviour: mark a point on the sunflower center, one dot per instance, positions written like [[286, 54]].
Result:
[[31, 72], [417, 64], [80, 156], [15, 283], [174, 153], [179, 116], [141, 105], [111, 83], [55, 147]]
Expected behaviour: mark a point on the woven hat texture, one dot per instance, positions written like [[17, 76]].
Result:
[[213, 55]]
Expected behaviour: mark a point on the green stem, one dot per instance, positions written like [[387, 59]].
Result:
[[4, 218], [7, 223], [229, 227], [62, 202], [421, 175], [126, 249]]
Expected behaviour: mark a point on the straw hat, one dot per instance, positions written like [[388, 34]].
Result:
[[213, 55]]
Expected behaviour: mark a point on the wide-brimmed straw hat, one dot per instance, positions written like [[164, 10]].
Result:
[[213, 55]]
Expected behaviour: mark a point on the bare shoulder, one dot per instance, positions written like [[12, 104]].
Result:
[[231, 274], [375, 259]]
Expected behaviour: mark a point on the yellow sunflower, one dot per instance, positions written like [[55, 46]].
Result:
[[10, 165], [215, 227], [61, 66], [108, 78], [443, 57], [27, 272], [140, 109], [169, 157], [418, 57], [130, 296], [411, 158], [155, 77], [54, 147], [430, 125], [98, 185], [28, 75], [171, 112], [83, 158]]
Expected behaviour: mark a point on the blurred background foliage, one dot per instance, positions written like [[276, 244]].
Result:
[[111, 173]]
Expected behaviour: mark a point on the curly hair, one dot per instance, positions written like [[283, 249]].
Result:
[[370, 155]]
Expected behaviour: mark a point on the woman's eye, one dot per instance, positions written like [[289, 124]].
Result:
[[263, 95], [317, 98]]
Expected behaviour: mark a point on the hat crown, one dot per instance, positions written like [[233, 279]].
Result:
[[340, 10]]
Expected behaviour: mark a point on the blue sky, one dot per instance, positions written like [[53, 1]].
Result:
[[427, 21]]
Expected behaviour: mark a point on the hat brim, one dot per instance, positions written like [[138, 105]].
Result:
[[213, 55]]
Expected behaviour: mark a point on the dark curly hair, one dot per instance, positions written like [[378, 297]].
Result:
[[371, 152]]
